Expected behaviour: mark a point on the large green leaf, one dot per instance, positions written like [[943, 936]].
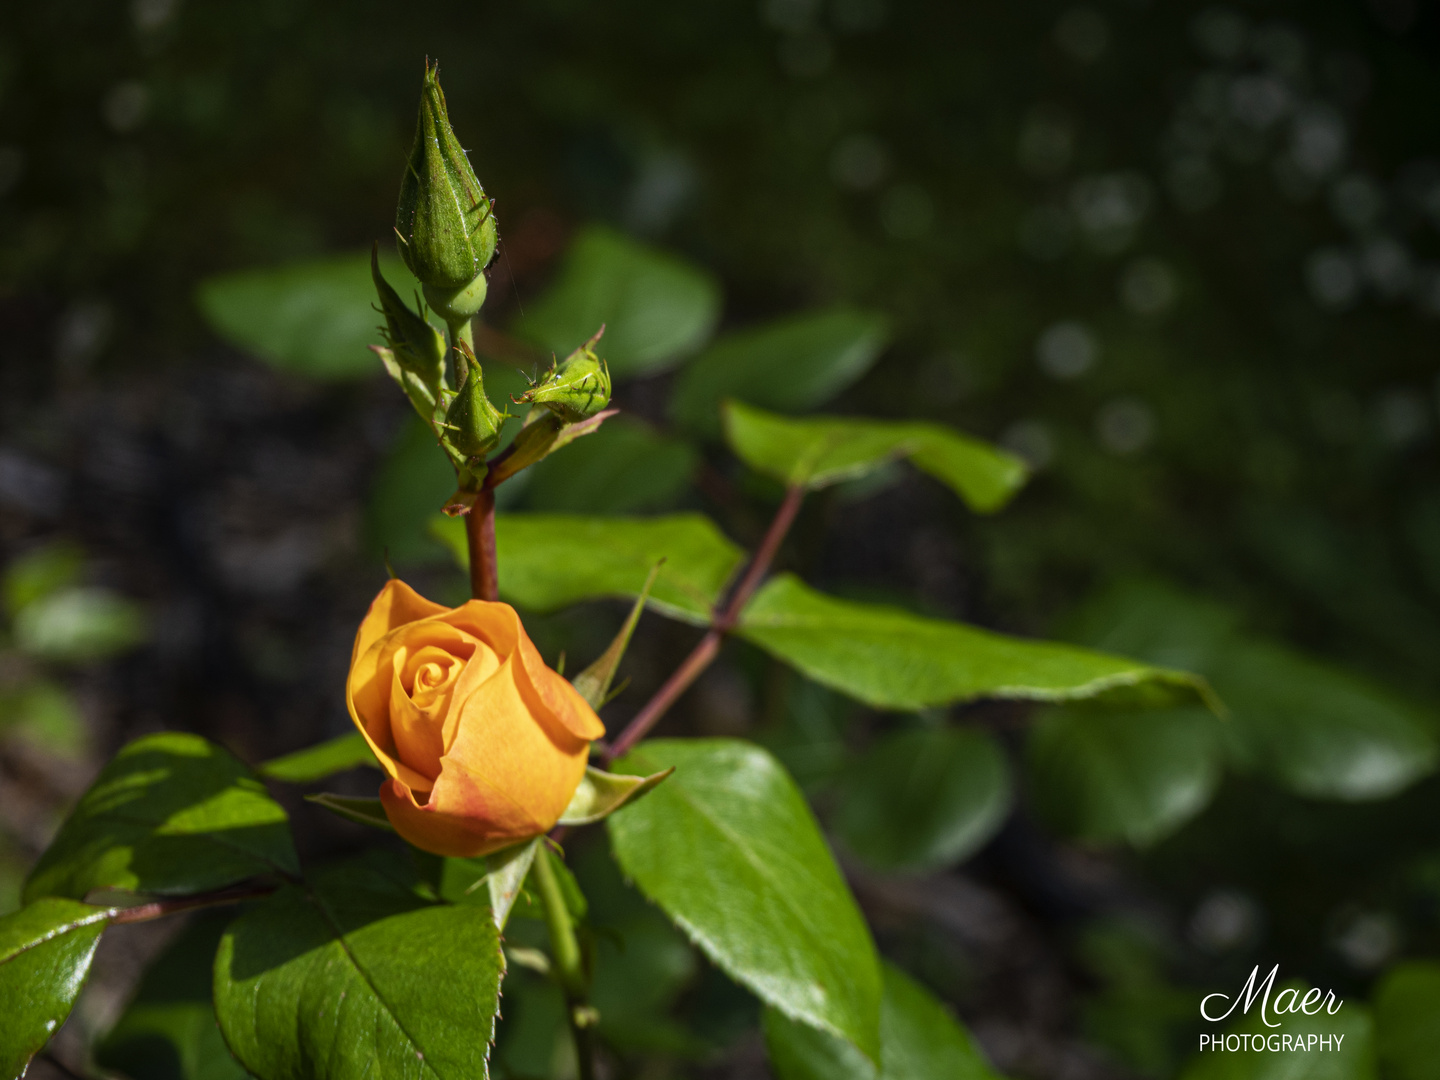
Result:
[[791, 364], [1353, 1059], [314, 318], [924, 798], [656, 308], [45, 954], [168, 1031], [1407, 1021], [1121, 775], [892, 659], [622, 468], [1311, 726], [815, 452], [171, 813], [550, 560], [919, 1040], [359, 976], [728, 848]]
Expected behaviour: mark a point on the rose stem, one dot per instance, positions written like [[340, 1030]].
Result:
[[480, 541], [158, 909], [569, 967], [709, 646]]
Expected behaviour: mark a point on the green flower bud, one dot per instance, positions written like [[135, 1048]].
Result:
[[444, 224], [415, 357], [472, 424], [578, 388]]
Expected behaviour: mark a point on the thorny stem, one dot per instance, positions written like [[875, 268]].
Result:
[[158, 909], [708, 647], [480, 542], [569, 965]]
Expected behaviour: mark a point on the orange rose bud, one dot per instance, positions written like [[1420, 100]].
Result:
[[484, 744]]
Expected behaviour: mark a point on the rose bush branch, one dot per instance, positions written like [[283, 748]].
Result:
[[708, 647]]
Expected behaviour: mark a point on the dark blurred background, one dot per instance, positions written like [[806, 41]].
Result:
[[1182, 258]]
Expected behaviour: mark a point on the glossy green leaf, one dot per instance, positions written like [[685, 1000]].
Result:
[[548, 561], [360, 810], [321, 760], [359, 976], [623, 468], [815, 452], [171, 813], [314, 318], [656, 308], [1321, 732], [45, 953], [791, 364], [728, 848], [600, 794], [919, 1040], [1354, 1059], [80, 624], [892, 659], [925, 798], [168, 1031], [1136, 777], [1407, 1021]]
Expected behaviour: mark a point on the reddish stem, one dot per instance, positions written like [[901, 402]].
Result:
[[708, 647], [158, 909], [480, 540]]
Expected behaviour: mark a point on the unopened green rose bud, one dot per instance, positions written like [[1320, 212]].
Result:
[[444, 223], [472, 424], [415, 356], [579, 387]]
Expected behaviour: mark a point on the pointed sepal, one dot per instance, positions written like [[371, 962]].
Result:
[[600, 794], [361, 811], [594, 682], [414, 352], [507, 871]]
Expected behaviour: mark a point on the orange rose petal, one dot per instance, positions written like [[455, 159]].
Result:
[[437, 833], [396, 605], [562, 699], [417, 732]]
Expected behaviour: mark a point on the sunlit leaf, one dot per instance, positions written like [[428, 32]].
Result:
[[39, 573], [314, 318], [324, 759], [356, 976], [893, 659], [791, 364], [171, 813], [80, 624], [45, 953], [656, 308], [548, 561], [924, 798], [919, 1038], [815, 452], [728, 848]]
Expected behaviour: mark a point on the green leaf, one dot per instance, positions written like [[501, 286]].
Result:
[[1407, 1037], [360, 810], [38, 573], [505, 875], [1136, 777], [321, 760], [892, 659], [918, 1039], [1354, 1060], [359, 976], [791, 364], [600, 794], [815, 452], [80, 624], [656, 308], [315, 318], [1321, 732], [925, 798], [168, 1031], [732, 854], [46, 716], [624, 467], [171, 813], [45, 954], [549, 561]]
